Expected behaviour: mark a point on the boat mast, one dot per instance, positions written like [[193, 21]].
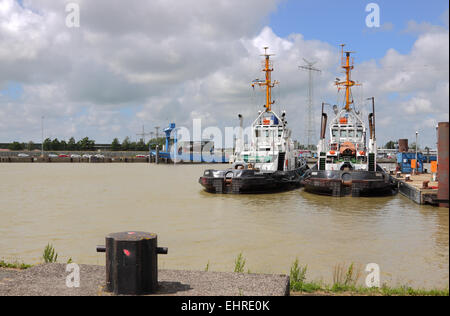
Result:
[[348, 83], [268, 83]]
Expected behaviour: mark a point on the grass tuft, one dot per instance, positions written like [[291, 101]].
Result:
[[297, 276], [239, 264], [344, 278], [49, 255], [14, 265], [345, 281]]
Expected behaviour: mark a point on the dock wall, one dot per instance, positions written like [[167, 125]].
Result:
[[443, 164], [410, 192]]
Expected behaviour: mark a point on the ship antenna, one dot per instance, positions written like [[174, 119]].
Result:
[[268, 82], [348, 83]]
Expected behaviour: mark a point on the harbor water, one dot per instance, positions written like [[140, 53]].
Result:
[[73, 207]]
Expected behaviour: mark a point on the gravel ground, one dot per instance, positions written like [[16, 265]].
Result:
[[50, 280]]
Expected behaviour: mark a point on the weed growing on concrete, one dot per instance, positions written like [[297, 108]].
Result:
[[49, 255]]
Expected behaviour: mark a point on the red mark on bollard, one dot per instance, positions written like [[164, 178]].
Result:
[[131, 233], [126, 252]]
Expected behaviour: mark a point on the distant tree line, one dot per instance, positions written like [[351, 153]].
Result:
[[391, 145], [87, 144], [21, 146], [84, 144], [128, 145]]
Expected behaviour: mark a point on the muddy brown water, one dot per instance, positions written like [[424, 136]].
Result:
[[73, 206]]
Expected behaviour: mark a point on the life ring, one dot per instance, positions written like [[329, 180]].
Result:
[[240, 166], [227, 175]]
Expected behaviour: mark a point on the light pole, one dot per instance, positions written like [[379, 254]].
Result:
[[42, 136], [417, 146]]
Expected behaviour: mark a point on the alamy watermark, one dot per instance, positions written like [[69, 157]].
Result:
[[73, 15], [373, 19], [73, 279], [373, 278]]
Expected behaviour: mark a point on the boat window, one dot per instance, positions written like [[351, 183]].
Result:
[[280, 133], [351, 133], [257, 132], [343, 133], [359, 133], [258, 158], [335, 133], [267, 133]]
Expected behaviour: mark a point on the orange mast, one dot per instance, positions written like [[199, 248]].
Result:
[[348, 83], [268, 83]]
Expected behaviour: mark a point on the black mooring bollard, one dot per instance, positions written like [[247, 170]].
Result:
[[132, 262]]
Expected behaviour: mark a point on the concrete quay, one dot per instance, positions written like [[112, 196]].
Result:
[[50, 280], [415, 190]]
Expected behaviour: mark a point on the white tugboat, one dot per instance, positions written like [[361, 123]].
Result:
[[270, 163], [346, 165]]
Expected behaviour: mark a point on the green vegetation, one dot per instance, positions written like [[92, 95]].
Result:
[[30, 146], [49, 255], [16, 146], [14, 265], [345, 282], [161, 141], [72, 144], [391, 145], [298, 276], [87, 144], [385, 290], [239, 264], [344, 278], [115, 145]]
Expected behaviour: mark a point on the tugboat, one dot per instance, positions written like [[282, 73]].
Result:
[[346, 165], [269, 164]]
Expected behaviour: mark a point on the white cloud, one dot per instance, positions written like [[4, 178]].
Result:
[[417, 106], [420, 82], [133, 63], [423, 27]]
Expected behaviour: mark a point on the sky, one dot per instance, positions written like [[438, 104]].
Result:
[[344, 22], [134, 63]]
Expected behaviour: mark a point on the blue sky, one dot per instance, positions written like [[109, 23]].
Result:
[[338, 22]]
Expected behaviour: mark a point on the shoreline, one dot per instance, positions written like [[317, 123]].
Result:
[[283, 285]]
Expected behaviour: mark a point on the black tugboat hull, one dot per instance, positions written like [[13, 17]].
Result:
[[233, 181], [349, 183]]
